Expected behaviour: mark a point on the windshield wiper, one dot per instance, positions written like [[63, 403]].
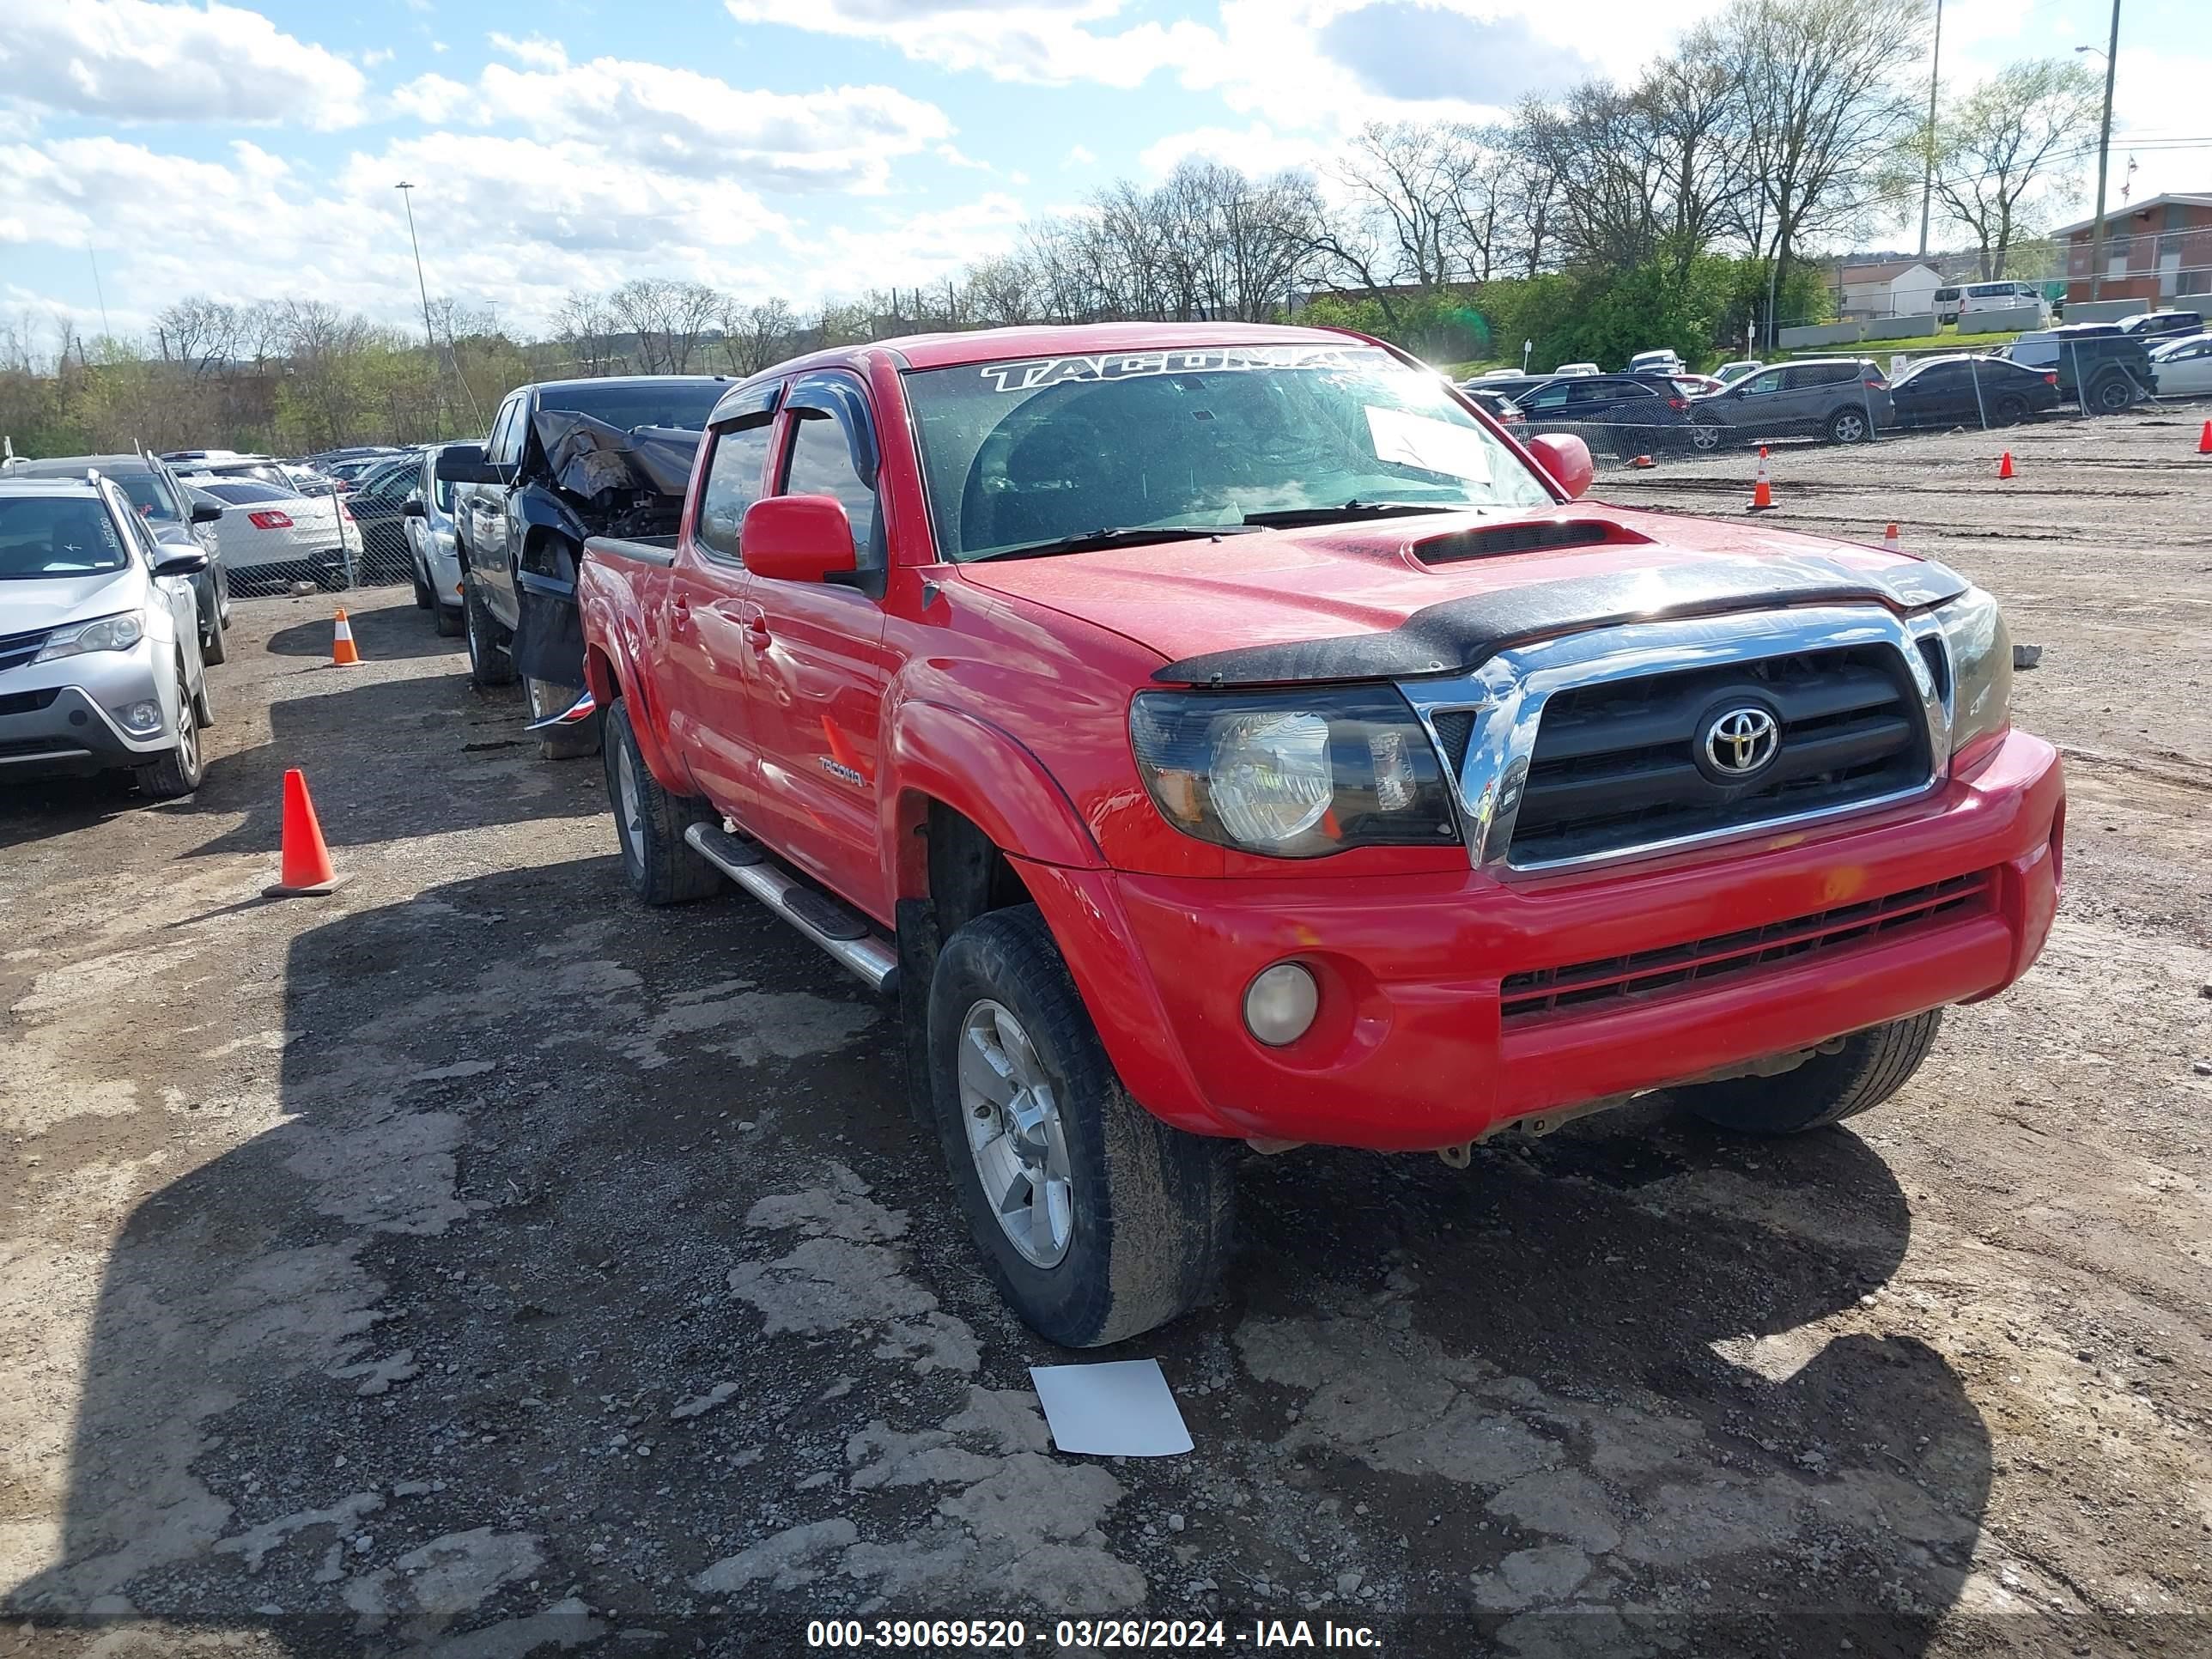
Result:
[[1288, 518], [1093, 541]]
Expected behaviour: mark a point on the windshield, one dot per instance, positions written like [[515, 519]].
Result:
[[1026, 453], [43, 537], [676, 404]]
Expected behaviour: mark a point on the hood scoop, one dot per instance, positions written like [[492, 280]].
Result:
[[1459, 545]]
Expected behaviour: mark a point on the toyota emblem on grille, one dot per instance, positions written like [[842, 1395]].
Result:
[[1741, 740]]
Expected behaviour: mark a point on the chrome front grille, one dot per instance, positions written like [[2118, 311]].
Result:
[[1584, 748], [1618, 762]]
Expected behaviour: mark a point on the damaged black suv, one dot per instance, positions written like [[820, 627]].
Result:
[[566, 460]]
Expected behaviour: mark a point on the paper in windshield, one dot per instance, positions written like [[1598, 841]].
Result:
[[1434, 446]]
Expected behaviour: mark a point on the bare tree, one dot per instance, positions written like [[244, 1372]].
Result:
[[2014, 135], [670, 320], [1819, 108], [756, 334], [585, 324]]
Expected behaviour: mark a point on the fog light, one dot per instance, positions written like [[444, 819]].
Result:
[[141, 717], [1280, 1002]]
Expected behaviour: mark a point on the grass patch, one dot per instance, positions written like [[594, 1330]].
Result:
[[1916, 342]]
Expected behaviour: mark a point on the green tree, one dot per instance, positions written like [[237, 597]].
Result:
[[2013, 138]]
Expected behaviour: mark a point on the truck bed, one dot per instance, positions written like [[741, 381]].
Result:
[[642, 549]]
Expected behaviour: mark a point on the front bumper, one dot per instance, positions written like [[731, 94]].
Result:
[[1436, 1025], [54, 719]]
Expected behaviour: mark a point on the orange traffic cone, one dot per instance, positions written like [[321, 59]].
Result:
[[2204, 443], [1643, 460], [1889, 540], [2005, 466], [306, 871], [343, 655], [1762, 493]]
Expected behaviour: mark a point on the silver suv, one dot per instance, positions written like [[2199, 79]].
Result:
[[100, 643], [1843, 399]]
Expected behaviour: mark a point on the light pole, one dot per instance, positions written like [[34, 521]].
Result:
[[429, 335], [407, 195], [1928, 170], [2112, 56]]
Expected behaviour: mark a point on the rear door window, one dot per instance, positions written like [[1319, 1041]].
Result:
[[735, 474]]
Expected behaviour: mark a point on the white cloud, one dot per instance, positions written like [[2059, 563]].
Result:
[[910, 250], [508, 219], [133, 60], [677, 121], [1080, 155], [1048, 42], [1258, 149], [534, 49]]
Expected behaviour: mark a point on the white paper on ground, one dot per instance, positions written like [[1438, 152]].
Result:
[[1119, 1409]]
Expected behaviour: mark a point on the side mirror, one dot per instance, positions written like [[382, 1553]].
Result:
[[180, 563], [797, 538], [205, 513], [412, 509], [1567, 459], [465, 464]]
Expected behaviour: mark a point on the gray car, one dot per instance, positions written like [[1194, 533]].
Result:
[[427, 513], [1841, 399], [167, 508], [100, 649]]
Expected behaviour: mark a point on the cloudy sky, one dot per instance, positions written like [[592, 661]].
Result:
[[806, 147]]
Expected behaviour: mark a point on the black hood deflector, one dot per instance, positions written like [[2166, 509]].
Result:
[[1459, 635]]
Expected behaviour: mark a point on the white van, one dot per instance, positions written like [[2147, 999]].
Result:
[[2001, 296]]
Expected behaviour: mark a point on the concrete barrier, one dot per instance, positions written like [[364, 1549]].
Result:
[[2014, 320], [1836, 334], [2103, 311]]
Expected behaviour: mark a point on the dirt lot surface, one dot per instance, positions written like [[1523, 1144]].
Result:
[[474, 1262]]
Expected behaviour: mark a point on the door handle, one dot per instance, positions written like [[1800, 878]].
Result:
[[681, 607], [757, 633]]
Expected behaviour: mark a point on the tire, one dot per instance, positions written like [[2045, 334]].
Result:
[[2010, 410], [213, 649], [1850, 426], [1704, 436], [649, 823], [1872, 1066], [1146, 1218], [451, 624], [488, 665], [566, 742], [2112, 394], [179, 772], [424, 598]]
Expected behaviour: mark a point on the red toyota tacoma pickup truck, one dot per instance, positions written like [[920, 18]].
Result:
[[1215, 735]]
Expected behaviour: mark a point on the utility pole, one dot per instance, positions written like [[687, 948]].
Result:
[[2104, 154], [1928, 173]]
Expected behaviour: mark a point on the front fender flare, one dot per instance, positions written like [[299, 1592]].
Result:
[[942, 753]]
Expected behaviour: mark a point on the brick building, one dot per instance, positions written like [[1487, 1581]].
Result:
[[2157, 251]]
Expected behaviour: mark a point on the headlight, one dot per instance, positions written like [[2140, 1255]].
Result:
[[102, 634], [1296, 774], [1981, 666]]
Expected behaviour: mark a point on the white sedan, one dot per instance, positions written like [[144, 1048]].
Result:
[[2184, 366], [271, 536]]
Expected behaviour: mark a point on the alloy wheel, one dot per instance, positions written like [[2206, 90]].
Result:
[[1015, 1134]]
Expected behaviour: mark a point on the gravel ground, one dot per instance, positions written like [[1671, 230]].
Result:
[[473, 1262]]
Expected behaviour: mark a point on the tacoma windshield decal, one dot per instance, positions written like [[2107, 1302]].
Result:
[[1029, 374]]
